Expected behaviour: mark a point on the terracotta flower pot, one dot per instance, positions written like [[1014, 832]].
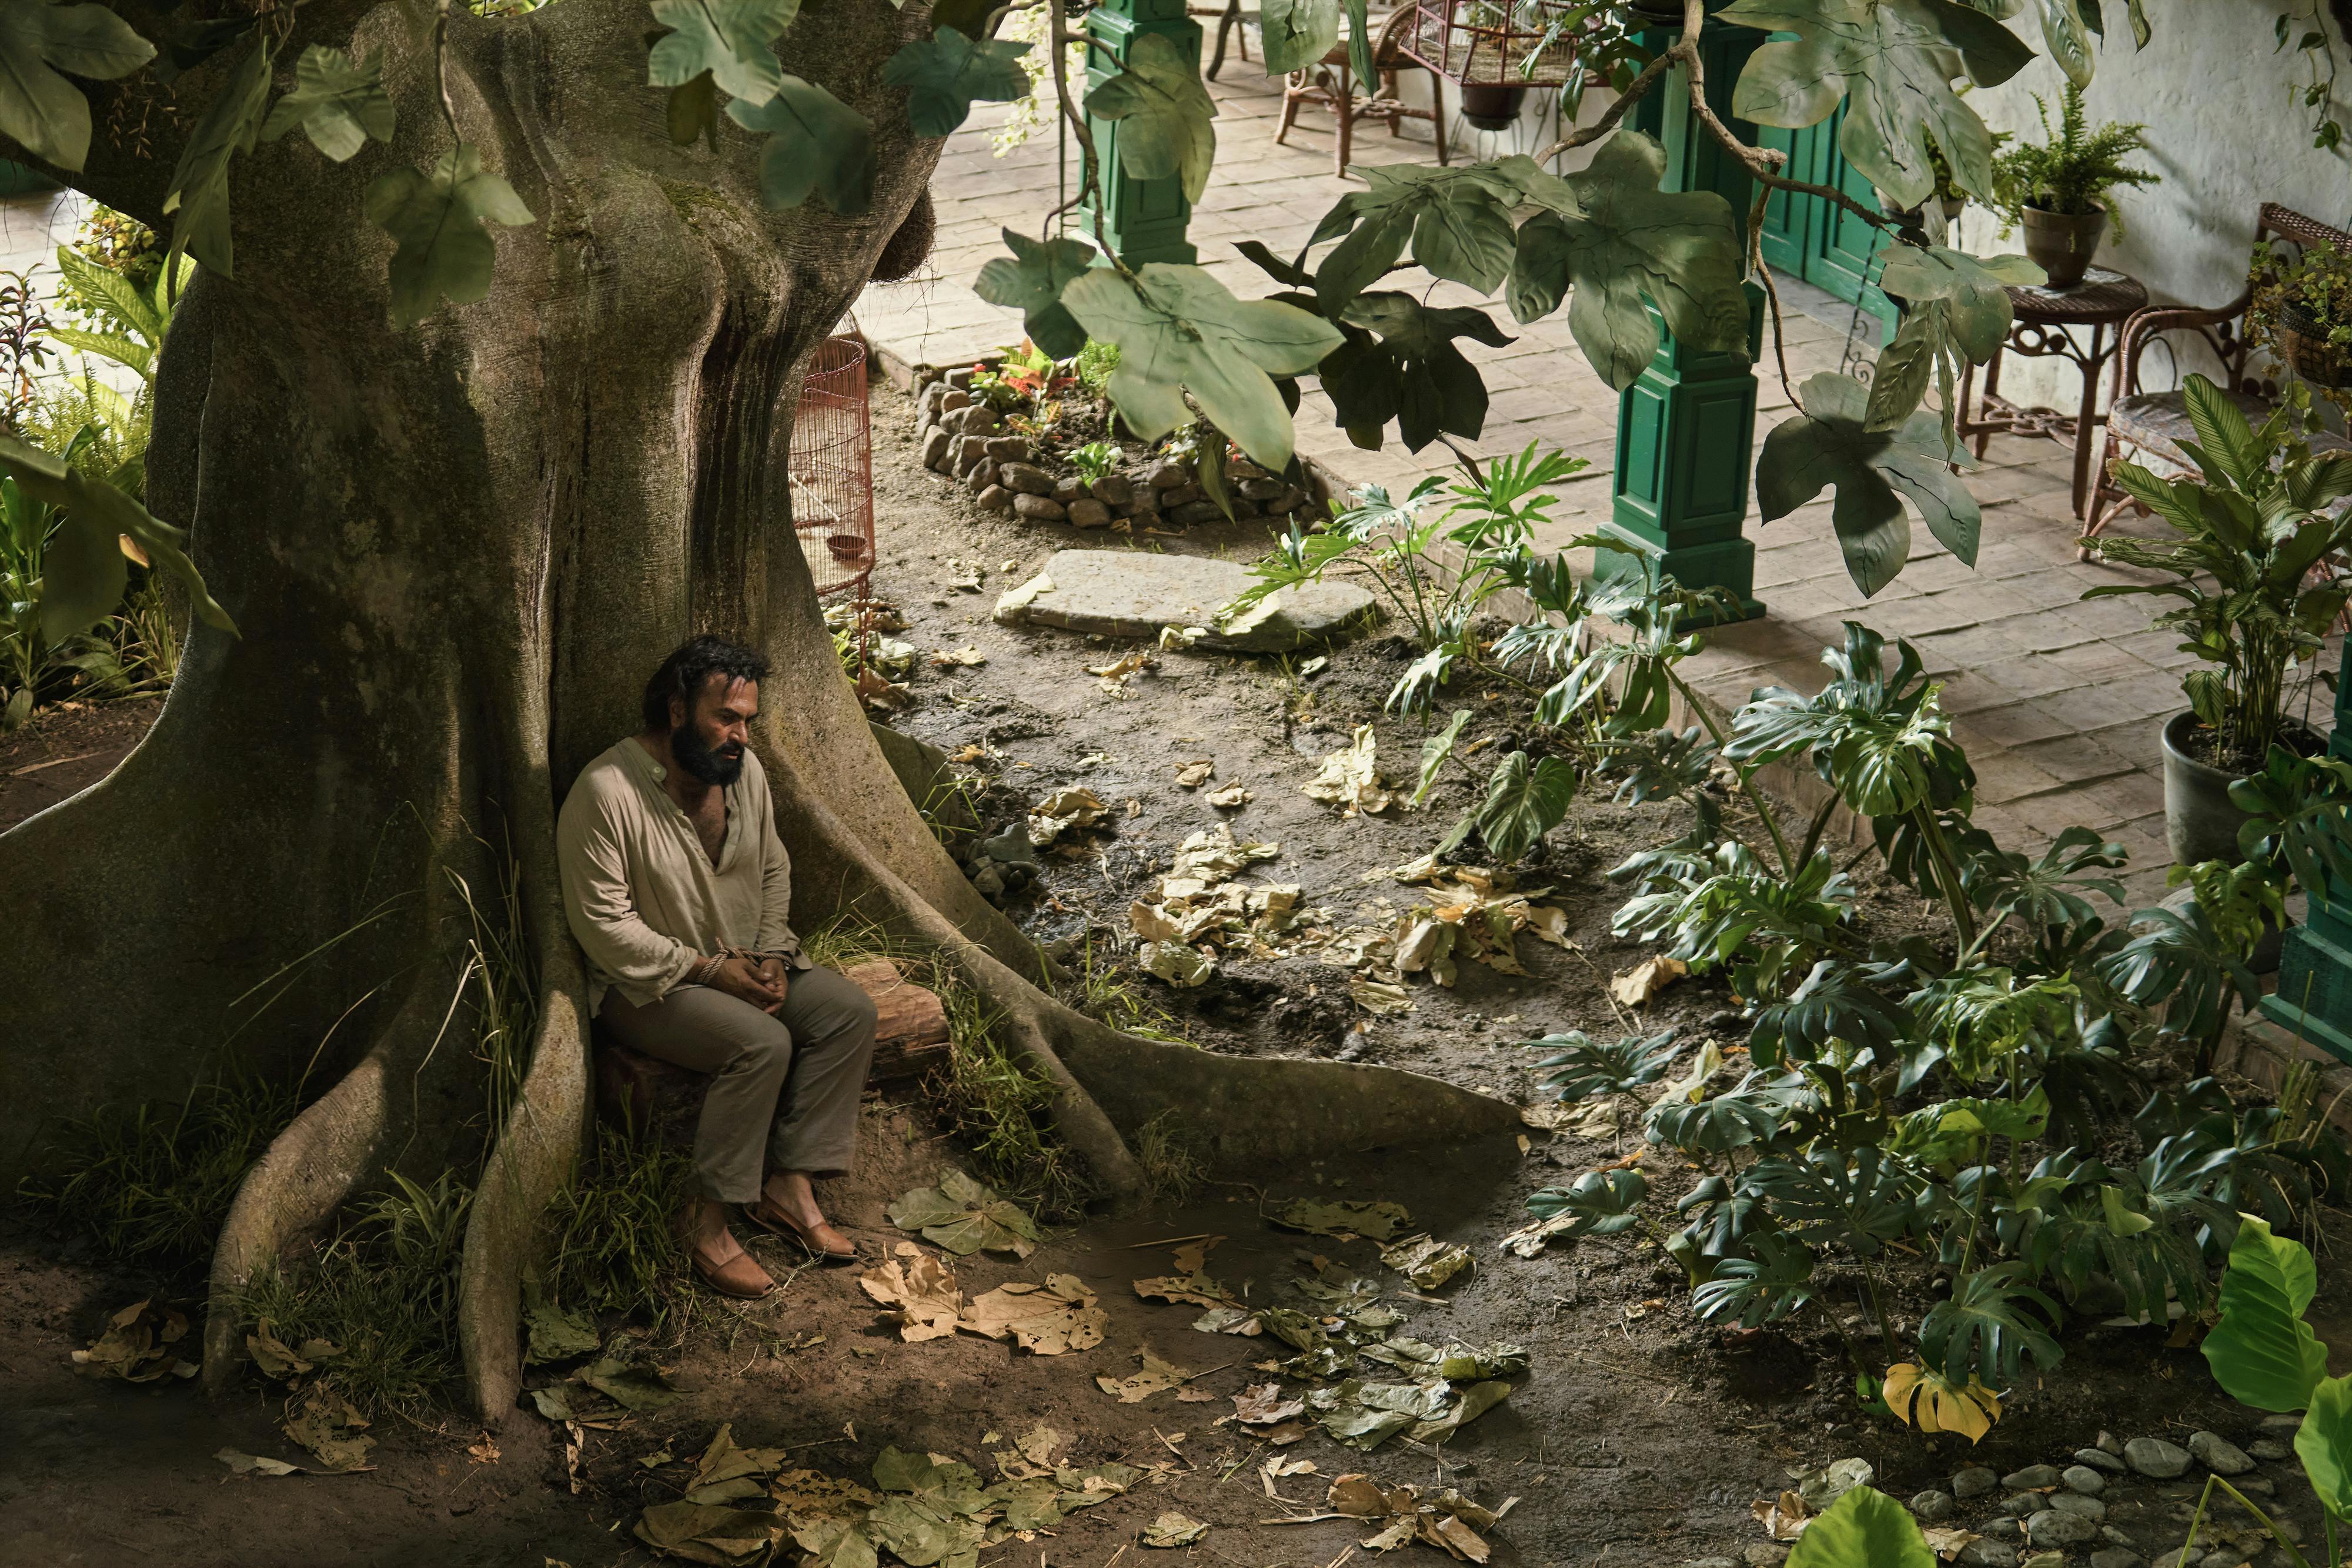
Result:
[[2063, 243]]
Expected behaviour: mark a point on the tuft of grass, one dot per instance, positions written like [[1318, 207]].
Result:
[[1174, 1162], [152, 1182], [385, 1289], [1001, 1108], [1109, 994], [611, 1247]]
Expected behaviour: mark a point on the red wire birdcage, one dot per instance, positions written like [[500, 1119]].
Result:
[[832, 468], [1489, 42]]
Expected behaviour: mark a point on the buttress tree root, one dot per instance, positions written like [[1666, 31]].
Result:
[[454, 552]]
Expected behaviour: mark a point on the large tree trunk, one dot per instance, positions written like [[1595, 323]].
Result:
[[453, 552]]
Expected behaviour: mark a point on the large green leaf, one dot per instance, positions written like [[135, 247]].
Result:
[[2324, 1444], [39, 110], [1895, 61], [1179, 329], [1863, 1528], [437, 217], [1625, 247], [1872, 471], [734, 40], [1458, 221], [1165, 113], [338, 104], [1031, 280], [1412, 372], [2066, 34], [1434, 753], [1526, 799], [199, 191], [2262, 1351], [103, 512], [1984, 1327], [945, 73], [1297, 33], [1977, 286], [817, 145]]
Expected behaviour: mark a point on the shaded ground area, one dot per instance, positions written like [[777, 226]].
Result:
[[65, 750]]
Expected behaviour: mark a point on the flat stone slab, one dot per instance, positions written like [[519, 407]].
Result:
[[1135, 593]]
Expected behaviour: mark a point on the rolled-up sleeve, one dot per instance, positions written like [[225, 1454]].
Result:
[[592, 861]]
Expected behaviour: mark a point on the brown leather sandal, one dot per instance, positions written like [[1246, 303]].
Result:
[[823, 1241], [741, 1276]]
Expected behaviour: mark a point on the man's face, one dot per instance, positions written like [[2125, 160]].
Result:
[[710, 745]]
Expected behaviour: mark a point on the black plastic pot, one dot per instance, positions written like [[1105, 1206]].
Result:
[[1491, 106], [2199, 822]]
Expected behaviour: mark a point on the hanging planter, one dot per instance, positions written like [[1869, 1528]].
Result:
[[1490, 107]]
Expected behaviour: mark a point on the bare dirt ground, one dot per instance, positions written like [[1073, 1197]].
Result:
[[66, 749], [1638, 1437]]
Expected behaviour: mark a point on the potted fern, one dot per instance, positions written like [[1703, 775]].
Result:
[[2247, 533], [2056, 190]]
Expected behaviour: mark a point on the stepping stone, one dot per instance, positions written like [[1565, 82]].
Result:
[[2085, 1479], [2032, 1477], [2219, 1455], [1974, 1481], [2100, 1459], [2154, 1457], [2115, 1557], [1135, 593], [2052, 1528]]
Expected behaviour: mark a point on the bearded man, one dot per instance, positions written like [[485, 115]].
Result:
[[677, 889]]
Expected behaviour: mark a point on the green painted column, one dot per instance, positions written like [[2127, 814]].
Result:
[[1142, 220], [2314, 998], [1687, 429]]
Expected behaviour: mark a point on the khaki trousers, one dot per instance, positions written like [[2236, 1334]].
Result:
[[783, 1085]]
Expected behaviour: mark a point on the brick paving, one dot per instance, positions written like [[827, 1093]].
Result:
[[2058, 700]]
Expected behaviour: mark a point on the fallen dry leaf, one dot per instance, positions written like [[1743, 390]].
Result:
[[1192, 775], [326, 1424], [1634, 987], [1350, 777], [1157, 1377], [137, 1345], [1784, 1518], [962, 658], [1229, 798], [1947, 1541], [1264, 1405], [1051, 1319], [921, 1288], [1173, 1529]]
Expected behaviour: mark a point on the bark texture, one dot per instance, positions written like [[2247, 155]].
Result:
[[453, 552]]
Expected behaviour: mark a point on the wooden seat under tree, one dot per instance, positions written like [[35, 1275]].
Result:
[[1330, 84], [2148, 426], [911, 1039]]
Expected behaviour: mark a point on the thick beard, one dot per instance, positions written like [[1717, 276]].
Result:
[[702, 760]]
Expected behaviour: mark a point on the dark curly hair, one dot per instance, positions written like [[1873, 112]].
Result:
[[684, 673]]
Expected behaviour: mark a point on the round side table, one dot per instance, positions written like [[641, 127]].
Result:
[[2103, 299]]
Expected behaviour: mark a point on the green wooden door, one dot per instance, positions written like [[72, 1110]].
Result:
[[1808, 238]]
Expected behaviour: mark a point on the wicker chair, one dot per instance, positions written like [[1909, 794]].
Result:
[[2148, 427], [1329, 84]]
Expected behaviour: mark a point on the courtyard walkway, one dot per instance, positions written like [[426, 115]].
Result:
[[2059, 701]]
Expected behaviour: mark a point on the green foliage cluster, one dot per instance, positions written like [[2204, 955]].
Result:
[[2072, 168], [2247, 535], [2311, 286], [384, 1289], [611, 1233], [151, 1183], [1960, 1092]]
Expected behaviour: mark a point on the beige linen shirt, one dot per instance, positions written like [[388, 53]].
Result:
[[644, 900]]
